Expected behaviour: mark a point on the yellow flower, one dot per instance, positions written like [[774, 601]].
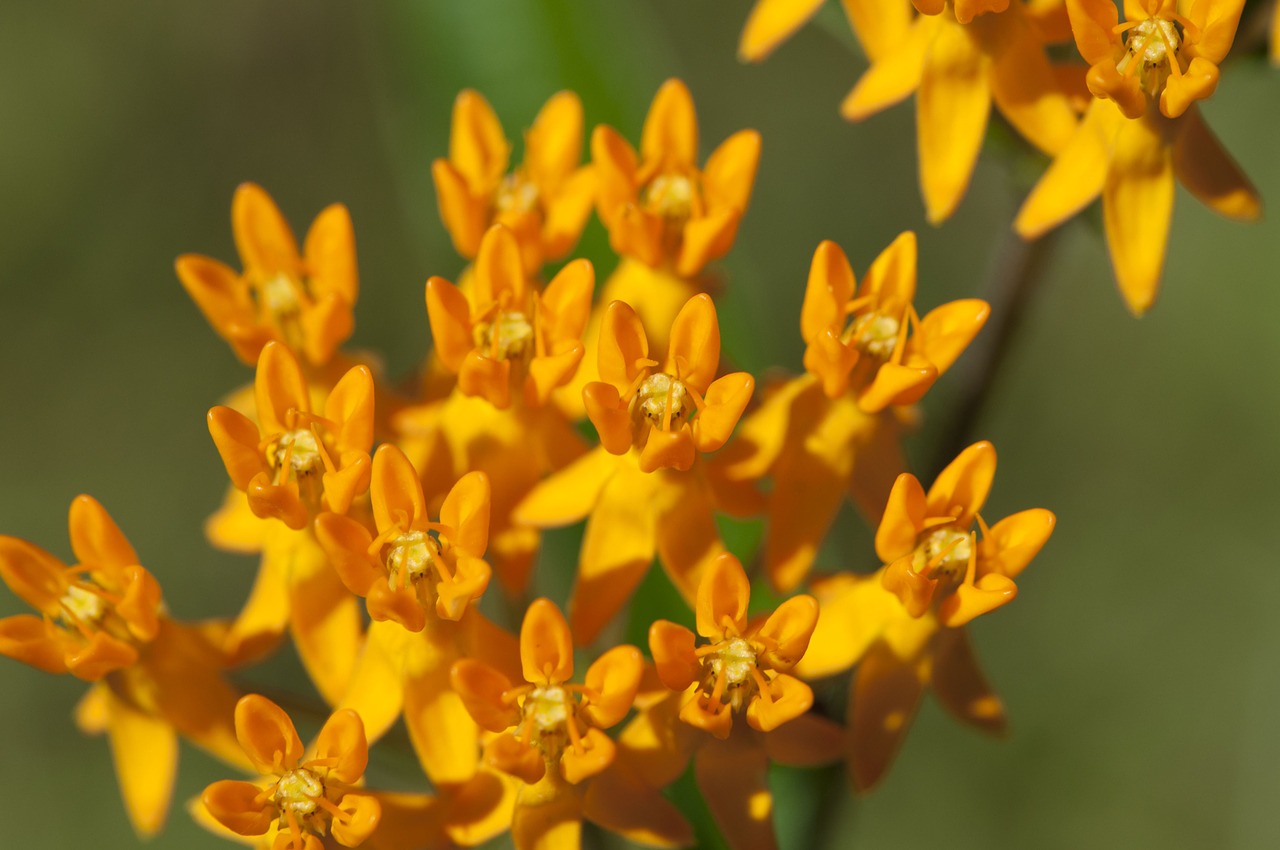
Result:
[[1142, 132], [878, 25], [904, 625], [309, 798], [545, 202], [103, 620], [835, 430], [641, 487], [549, 732], [303, 300], [506, 336], [959, 58]]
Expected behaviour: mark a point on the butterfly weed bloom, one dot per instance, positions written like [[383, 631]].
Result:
[[103, 620], [904, 626], [544, 202], [1142, 132], [835, 429], [959, 58], [307, 799], [549, 733], [642, 487], [303, 299]]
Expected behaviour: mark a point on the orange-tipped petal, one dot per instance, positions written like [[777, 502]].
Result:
[[973, 600], [516, 757], [263, 237], [95, 538], [236, 438], [100, 655], [829, 288], [622, 344], [904, 517], [961, 489], [350, 404], [450, 317], [726, 399], [694, 351], [481, 688], [1209, 172], [1137, 205], [772, 22], [1013, 541], [946, 331], [672, 647], [597, 753], [343, 746], [279, 388], [499, 270], [361, 814], [466, 512], [546, 646], [396, 490], [788, 699], [1093, 23], [787, 632], [239, 806], [951, 118], [477, 146], [722, 599], [267, 734], [36, 576], [670, 134], [614, 678]]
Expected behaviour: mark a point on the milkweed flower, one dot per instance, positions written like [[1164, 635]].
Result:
[[293, 465], [303, 299], [876, 24], [642, 487], [103, 620], [1142, 132], [959, 58], [904, 626], [307, 799], [836, 429], [549, 732], [544, 202]]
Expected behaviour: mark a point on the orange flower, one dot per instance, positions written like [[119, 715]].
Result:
[[545, 202], [310, 797], [506, 335], [405, 571], [745, 666], [835, 430], [303, 300], [1142, 132], [905, 624], [103, 620], [659, 207], [549, 733], [299, 463]]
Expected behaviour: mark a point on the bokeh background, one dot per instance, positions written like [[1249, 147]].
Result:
[[1139, 663]]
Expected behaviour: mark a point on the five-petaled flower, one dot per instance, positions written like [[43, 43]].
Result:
[[303, 300], [309, 798], [545, 202], [298, 463]]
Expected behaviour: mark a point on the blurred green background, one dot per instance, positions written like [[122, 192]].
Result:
[[1139, 661]]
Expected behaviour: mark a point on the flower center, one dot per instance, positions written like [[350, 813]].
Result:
[[875, 334], [302, 450], [411, 554], [1151, 47], [734, 660], [278, 295], [548, 709], [661, 392], [82, 605], [943, 553], [298, 791], [508, 337], [670, 196], [516, 194]]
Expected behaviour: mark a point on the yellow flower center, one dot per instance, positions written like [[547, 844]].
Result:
[[508, 337], [943, 553], [731, 675], [297, 792], [875, 334], [411, 554], [1151, 52], [80, 605], [548, 708], [516, 194], [670, 196], [279, 296], [660, 395], [301, 450]]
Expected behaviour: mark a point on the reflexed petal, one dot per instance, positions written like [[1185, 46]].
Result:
[[894, 74], [236, 438], [951, 118], [463, 215], [1014, 541], [569, 495], [597, 753], [960, 686], [548, 816], [330, 252], [481, 688], [1075, 177], [235, 805], [1209, 172], [267, 735], [350, 404], [1023, 84], [33, 574], [442, 732], [618, 800], [466, 512], [886, 694], [789, 698], [897, 384], [376, 691], [733, 778], [279, 388], [553, 145], [787, 632], [477, 146], [973, 600], [946, 331], [879, 27], [258, 627], [806, 741], [1137, 205], [516, 757], [342, 742], [546, 646], [263, 237], [27, 638], [656, 745], [961, 489], [904, 518], [830, 286], [726, 398], [622, 344], [672, 647], [855, 610], [499, 270], [615, 678], [1198, 82], [670, 134], [723, 596], [770, 23], [688, 539], [360, 816], [450, 316]]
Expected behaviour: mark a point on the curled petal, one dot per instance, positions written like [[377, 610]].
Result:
[[723, 595], [481, 688], [450, 316], [914, 590], [694, 352], [31, 640], [36, 576], [466, 513], [973, 600], [511, 755], [281, 501], [1013, 541], [622, 344], [395, 490], [701, 713], [343, 745], [279, 388], [470, 579], [787, 632], [236, 438], [241, 807], [267, 735], [613, 679], [788, 699], [668, 450], [546, 646], [95, 538], [398, 604], [102, 654], [904, 518], [610, 415], [961, 489], [1104, 81], [726, 399], [140, 603], [1199, 81], [672, 647], [490, 379], [360, 816], [670, 134], [596, 753]]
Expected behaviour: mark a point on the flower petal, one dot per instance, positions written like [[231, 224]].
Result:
[[1137, 205], [726, 399], [330, 252], [396, 490], [829, 287], [1209, 172], [1023, 84], [670, 134], [787, 632], [622, 344], [466, 512], [499, 273], [31, 640], [973, 600], [620, 801], [886, 694], [951, 118], [236, 438], [342, 744], [895, 73], [36, 576], [788, 699], [481, 688], [546, 645], [961, 489], [569, 495], [350, 405], [267, 734], [279, 388], [597, 753], [263, 237], [512, 755], [946, 331], [733, 778], [855, 610], [672, 647], [1013, 541], [904, 518], [1075, 177], [960, 686], [553, 145], [614, 677], [449, 313], [236, 805], [361, 814], [723, 595], [477, 146], [462, 213], [772, 22]]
